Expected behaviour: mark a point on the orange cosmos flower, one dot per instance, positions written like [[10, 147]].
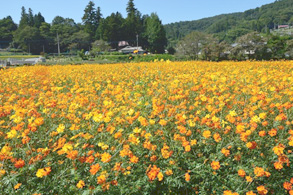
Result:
[[165, 152], [80, 184], [101, 179], [262, 190], [43, 172], [134, 159], [105, 157], [240, 128], [273, 132], [259, 172], [279, 150], [217, 137], [229, 192], [248, 179], [187, 177], [215, 165], [17, 186], [169, 172], [287, 185], [262, 133], [160, 176], [278, 165], [250, 193], [251, 145], [241, 173], [207, 134], [153, 158], [19, 163], [225, 152], [72, 154], [187, 148], [95, 168], [152, 174]]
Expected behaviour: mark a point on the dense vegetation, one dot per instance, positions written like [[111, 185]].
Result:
[[230, 26], [35, 35], [237, 36]]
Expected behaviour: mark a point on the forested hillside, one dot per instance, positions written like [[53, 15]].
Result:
[[34, 35], [230, 26]]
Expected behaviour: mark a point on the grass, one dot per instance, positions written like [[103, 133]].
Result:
[[19, 56]]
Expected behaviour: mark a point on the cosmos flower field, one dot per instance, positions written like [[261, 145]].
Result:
[[147, 128]]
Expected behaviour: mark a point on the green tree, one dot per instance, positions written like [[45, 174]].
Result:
[[99, 46], [112, 29], [7, 27], [133, 24], [233, 34], [156, 34], [277, 46], [38, 20], [251, 46], [192, 45], [210, 49], [24, 20], [31, 21], [90, 19], [289, 49], [28, 39], [79, 40], [48, 37], [65, 27], [99, 22]]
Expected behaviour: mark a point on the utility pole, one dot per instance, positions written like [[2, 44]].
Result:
[[137, 42], [58, 42]]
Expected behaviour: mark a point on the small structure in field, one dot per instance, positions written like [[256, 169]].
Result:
[[129, 49]]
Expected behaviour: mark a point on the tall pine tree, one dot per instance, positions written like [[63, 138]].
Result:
[[38, 20], [133, 22], [99, 19], [89, 19], [24, 21], [31, 21]]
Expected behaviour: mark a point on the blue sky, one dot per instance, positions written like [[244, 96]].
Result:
[[168, 10]]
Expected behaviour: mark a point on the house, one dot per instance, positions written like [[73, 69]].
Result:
[[283, 26], [13, 61], [129, 49]]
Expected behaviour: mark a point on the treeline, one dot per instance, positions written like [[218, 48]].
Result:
[[229, 27], [35, 35], [252, 46]]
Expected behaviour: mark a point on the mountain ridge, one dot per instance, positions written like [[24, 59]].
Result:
[[229, 26]]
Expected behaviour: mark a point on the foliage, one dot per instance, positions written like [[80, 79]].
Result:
[[289, 48], [277, 45], [132, 24], [113, 28], [91, 19], [147, 128], [252, 45], [155, 33], [7, 26], [79, 40], [260, 19], [26, 38], [100, 46], [196, 43], [82, 55]]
